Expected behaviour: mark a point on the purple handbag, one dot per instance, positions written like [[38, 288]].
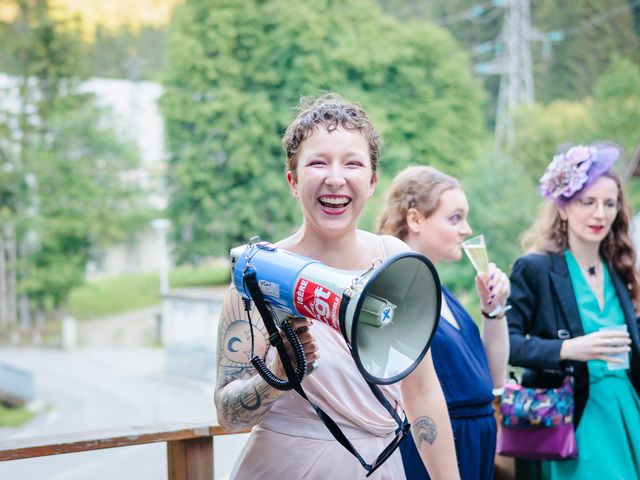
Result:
[[537, 423]]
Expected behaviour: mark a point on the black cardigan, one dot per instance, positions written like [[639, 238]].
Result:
[[544, 313]]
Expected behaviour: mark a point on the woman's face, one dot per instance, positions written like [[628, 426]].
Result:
[[440, 235], [589, 217], [334, 179]]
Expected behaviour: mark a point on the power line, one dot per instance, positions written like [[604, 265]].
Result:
[[513, 64], [492, 15], [595, 21], [474, 11], [557, 35]]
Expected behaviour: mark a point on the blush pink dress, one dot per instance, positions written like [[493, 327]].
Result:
[[292, 443]]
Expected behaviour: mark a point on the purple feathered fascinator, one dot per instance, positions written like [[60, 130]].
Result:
[[577, 168]]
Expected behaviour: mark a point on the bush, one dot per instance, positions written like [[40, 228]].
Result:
[[119, 294]]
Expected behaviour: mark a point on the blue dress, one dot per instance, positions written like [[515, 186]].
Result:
[[463, 371]]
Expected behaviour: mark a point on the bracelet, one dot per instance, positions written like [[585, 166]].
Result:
[[489, 317]]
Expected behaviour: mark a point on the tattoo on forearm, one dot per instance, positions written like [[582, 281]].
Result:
[[257, 402], [242, 397], [243, 403], [424, 430]]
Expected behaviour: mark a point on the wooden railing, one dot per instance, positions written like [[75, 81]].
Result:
[[189, 446]]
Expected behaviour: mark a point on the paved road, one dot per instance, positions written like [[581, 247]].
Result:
[[90, 389]]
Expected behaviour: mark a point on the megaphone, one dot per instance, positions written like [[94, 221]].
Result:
[[388, 314]]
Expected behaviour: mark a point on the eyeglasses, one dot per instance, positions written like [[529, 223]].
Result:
[[590, 205]]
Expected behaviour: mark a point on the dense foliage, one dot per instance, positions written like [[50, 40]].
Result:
[[593, 32], [612, 113], [236, 70], [61, 186], [233, 73], [582, 38]]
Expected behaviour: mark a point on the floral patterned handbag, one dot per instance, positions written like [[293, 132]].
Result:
[[537, 423]]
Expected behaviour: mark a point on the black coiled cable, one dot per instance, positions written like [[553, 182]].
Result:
[[261, 367], [301, 361]]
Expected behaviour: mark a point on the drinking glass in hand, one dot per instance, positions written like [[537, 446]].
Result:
[[623, 358], [476, 250]]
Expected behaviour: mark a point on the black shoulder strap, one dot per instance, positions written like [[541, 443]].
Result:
[[295, 383]]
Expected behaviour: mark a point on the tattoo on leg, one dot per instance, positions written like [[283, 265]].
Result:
[[424, 430]]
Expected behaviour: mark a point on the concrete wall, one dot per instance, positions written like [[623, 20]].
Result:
[[189, 331]]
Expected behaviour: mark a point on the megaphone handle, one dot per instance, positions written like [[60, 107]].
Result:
[[294, 376]]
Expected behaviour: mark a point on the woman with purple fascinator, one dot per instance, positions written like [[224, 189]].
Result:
[[575, 296]]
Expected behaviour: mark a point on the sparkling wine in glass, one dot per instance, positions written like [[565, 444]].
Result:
[[476, 250]]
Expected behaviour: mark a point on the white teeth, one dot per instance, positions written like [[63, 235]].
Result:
[[335, 200]]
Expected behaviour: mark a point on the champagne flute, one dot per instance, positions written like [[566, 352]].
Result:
[[476, 250]]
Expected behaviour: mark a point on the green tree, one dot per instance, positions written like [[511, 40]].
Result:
[[616, 103], [236, 69], [595, 30], [503, 202], [635, 9], [542, 128], [64, 187], [127, 53], [615, 111]]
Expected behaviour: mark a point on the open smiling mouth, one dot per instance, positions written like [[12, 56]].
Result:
[[334, 203]]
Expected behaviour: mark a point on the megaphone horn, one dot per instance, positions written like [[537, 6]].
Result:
[[388, 314]]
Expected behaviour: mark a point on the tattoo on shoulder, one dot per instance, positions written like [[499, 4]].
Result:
[[424, 430]]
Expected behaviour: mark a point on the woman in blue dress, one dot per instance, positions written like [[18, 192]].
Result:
[[575, 298], [428, 210]]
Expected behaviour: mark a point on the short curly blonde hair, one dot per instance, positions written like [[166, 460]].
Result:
[[331, 112]]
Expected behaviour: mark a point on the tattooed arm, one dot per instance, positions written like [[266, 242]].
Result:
[[426, 409], [242, 397]]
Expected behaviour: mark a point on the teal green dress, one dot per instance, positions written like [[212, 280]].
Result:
[[609, 433]]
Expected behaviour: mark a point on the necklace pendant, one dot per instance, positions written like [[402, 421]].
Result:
[[591, 270]]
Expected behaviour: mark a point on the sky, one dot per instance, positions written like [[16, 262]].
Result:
[[111, 14]]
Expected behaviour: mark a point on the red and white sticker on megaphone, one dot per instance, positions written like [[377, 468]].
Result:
[[317, 302]]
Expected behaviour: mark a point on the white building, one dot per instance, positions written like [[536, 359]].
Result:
[[137, 118]]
